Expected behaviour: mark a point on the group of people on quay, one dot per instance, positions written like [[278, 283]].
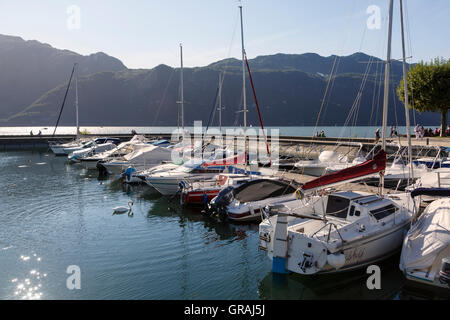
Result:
[[421, 132]]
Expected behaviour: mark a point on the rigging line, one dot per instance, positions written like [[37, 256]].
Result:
[[394, 97], [64, 100], [374, 93], [225, 68], [353, 113], [345, 36], [380, 87], [257, 108], [331, 80], [213, 110], [163, 98], [328, 98], [324, 96]]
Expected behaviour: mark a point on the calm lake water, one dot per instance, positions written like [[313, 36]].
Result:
[[333, 131], [53, 215]]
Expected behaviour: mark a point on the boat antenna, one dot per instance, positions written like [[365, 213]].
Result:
[[64, 100]]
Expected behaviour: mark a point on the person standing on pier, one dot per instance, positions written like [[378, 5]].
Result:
[[416, 131]]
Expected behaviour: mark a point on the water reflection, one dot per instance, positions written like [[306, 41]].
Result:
[[347, 285], [29, 285], [214, 229]]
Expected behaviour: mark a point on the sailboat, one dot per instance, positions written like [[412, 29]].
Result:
[[78, 143], [338, 231]]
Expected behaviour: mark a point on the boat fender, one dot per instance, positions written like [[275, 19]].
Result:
[[336, 260]]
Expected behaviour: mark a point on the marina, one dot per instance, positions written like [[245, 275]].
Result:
[[329, 205], [56, 215]]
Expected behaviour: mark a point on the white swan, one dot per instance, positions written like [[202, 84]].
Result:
[[123, 209]]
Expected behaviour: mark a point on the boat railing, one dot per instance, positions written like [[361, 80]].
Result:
[[330, 226], [440, 178]]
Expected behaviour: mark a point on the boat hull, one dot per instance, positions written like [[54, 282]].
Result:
[[199, 197], [358, 253]]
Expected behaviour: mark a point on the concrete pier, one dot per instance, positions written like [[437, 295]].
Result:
[[298, 147]]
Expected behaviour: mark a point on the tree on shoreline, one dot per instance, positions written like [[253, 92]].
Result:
[[429, 88]]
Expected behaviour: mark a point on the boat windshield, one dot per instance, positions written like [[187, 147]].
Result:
[[337, 206], [88, 144]]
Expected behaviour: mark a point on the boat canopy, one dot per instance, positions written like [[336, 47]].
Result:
[[261, 189]]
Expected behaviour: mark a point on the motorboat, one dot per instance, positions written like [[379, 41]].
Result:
[[339, 166], [168, 182], [180, 153], [425, 256], [243, 203], [202, 191], [439, 161], [398, 175], [358, 159], [90, 161], [92, 150], [318, 167], [145, 157], [68, 148]]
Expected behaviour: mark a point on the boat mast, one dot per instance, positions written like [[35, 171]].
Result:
[[220, 101], [386, 89], [243, 80], [405, 83], [182, 91], [76, 100]]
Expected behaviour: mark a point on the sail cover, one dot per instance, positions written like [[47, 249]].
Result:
[[370, 167], [434, 192]]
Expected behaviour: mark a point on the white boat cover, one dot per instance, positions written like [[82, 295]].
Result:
[[149, 154], [428, 237], [436, 178]]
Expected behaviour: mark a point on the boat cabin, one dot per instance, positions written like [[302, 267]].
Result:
[[351, 206]]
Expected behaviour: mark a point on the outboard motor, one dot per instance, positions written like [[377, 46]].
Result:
[[218, 205], [102, 172], [444, 273]]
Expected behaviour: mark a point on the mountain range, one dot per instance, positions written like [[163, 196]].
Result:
[[289, 87]]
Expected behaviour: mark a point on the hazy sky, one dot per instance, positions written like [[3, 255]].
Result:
[[145, 33]]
